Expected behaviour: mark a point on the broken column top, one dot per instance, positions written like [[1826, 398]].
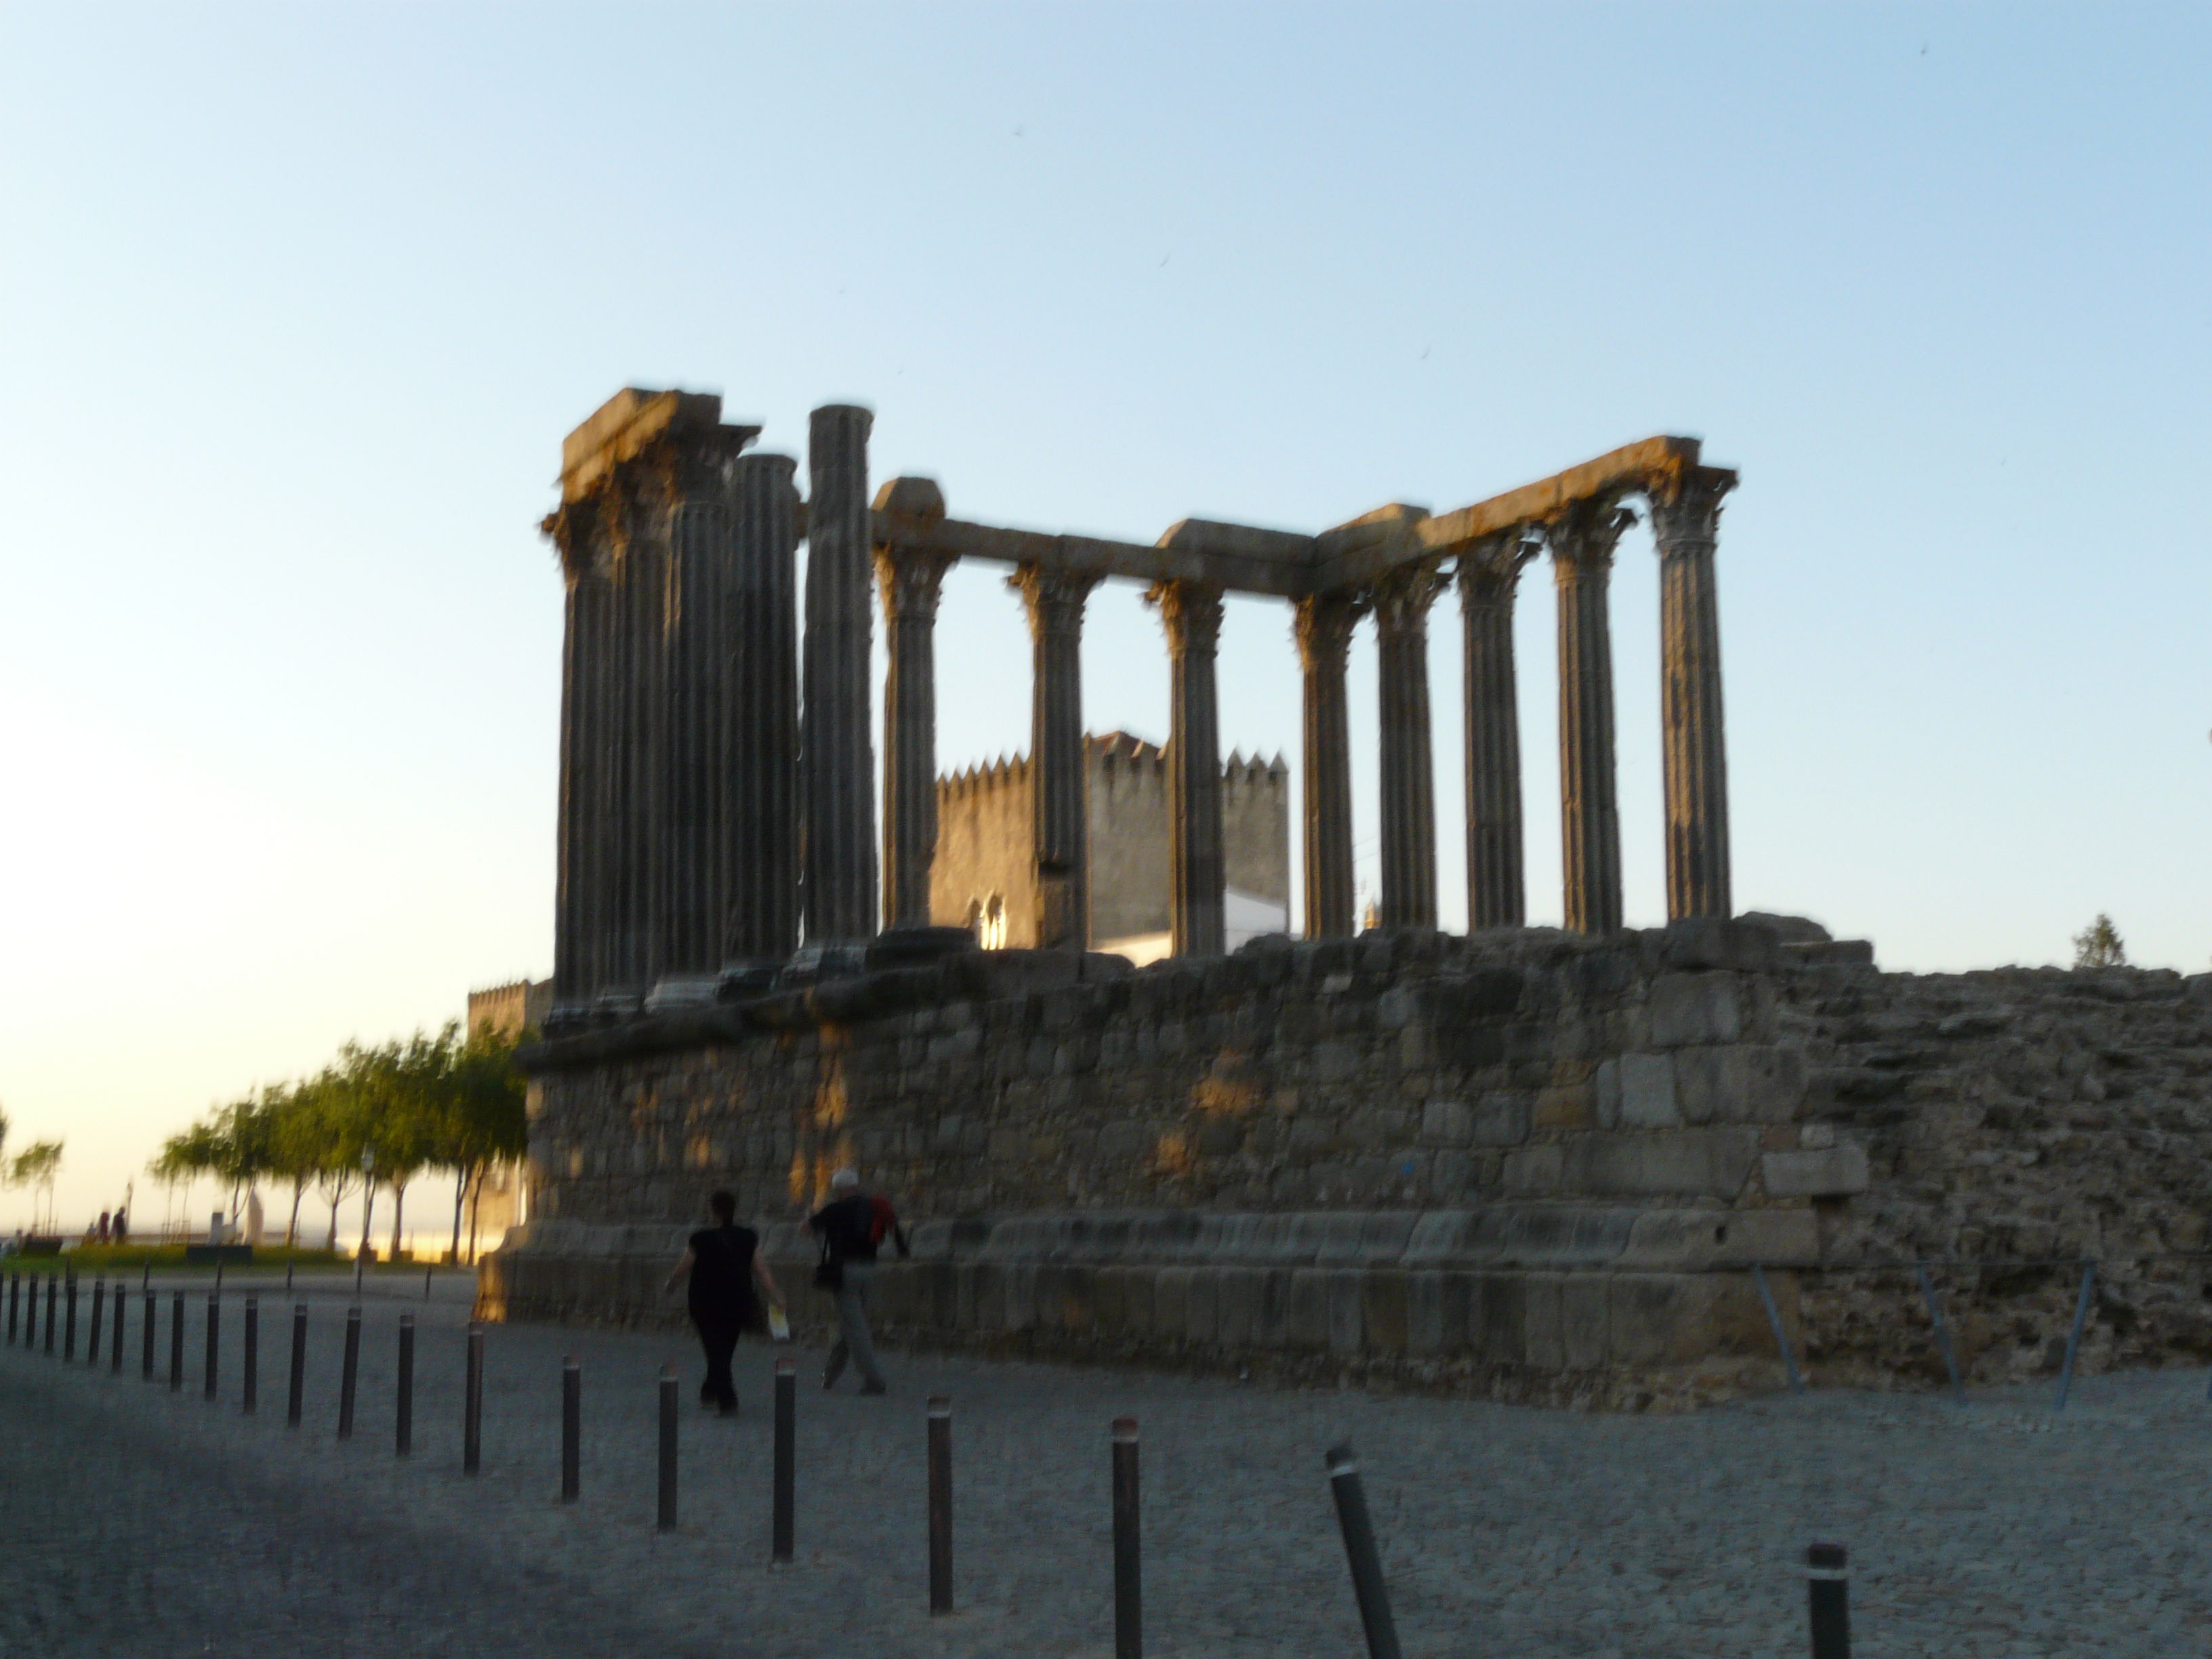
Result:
[[626, 425]]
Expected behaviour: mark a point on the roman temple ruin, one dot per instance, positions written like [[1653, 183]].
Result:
[[1594, 1163]]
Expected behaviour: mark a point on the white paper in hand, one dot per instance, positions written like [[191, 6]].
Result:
[[779, 1327]]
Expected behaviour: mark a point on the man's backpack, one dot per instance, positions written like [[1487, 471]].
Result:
[[882, 1220]]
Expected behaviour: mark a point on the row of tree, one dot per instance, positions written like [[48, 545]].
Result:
[[374, 1117], [34, 1167]]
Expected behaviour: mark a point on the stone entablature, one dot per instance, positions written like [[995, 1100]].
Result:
[[1568, 1151]]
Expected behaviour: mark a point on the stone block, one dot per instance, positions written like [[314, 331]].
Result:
[[1544, 1347], [1171, 1302], [1694, 1008], [1834, 1171], [1566, 1106], [1691, 1162], [1501, 1118], [1202, 1307], [1583, 1321], [1647, 1092], [1347, 1310], [1446, 1123], [1694, 1241], [1740, 1082], [1645, 1317], [1533, 1169], [1237, 1306], [1695, 942], [1496, 1307], [1435, 1313]]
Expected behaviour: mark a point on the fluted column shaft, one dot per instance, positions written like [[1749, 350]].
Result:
[[697, 741], [837, 757], [1582, 564], [1192, 615], [910, 583], [1323, 627], [1685, 526], [1489, 578], [1408, 816], [760, 713], [1055, 600], [574, 828]]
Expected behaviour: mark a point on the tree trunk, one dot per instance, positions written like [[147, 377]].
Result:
[[399, 1209], [460, 1194], [475, 1199], [368, 1212], [332, 1243], [292, 1227]]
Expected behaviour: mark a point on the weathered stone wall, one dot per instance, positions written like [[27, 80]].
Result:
[[1526, 1163]]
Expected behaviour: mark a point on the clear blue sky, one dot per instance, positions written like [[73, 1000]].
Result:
[[296, 303]]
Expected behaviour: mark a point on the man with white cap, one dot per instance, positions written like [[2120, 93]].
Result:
[[850, 1226]]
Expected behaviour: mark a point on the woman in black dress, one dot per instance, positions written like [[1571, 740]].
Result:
[[725, 1263]]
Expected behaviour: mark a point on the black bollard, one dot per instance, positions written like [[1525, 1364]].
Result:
[[940, 1502], [115, 1342], [69, 1317], [787, 1458], [250, 1359], [288, 1278], [1128, 1559], [472, 1402], [572, 1429], [146, 1339], [1367, 1585], [176, 1341], [31, 1316], [92, 1337], [349, 1377], [1828, 1589], [403, 1405], [668, 1410], [213, 1346], [299, 1389], [53, 1290], [15, 1304], [426, 1283]]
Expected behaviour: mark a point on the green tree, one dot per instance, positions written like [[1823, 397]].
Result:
[[486, 1123], [2099, 946], [35, 1167]]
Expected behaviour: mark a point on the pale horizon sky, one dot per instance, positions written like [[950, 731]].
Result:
[[296, 304]]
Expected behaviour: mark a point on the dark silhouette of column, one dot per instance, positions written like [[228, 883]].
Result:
[[760, 700], [577, 826], [1686, 525], [1489, 577], [1192, 615], [1582, 544], [837, 758], [911, 582], [1323, 628], [1408, 816], [1054, 600]]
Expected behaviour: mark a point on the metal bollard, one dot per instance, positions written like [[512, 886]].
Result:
[[668, 1409], [288, 1278], [213, 1346], [572, 1428], [1128, 1560], [146, 1339], [2065, 1371], [1781, 1335], [250, 1358], [472, 1403], [403, 1430], [940, 1502], [1367, 1585], [299, 1383], [53, 1290], [1942, 1332], [426, 1283], [69, 1316], [15, 1304], [92, 1337], [176, 1341], [350, 1375], [115, 1342], [784, 1481], [1827, 1588]]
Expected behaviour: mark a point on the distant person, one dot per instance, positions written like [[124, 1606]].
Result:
[[725, 1264], [120, 1233], [850, 1226], [103, 1226]]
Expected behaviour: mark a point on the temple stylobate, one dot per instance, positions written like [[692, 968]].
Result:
[[718, 781]]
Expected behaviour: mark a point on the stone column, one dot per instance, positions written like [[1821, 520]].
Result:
[[696, 750], [760, 713], [911, 582], [836, 753], [1686, 523], [1323, 628], [1191, 612], [570, 533], [1582, 544], [1054, 600], [1408, 816], [1489, 575]]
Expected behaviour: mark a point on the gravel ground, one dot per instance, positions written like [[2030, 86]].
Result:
[[138, 1521]]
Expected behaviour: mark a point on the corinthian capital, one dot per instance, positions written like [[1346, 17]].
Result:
[[1402, 598], [1054, 599], [1686, 514], [1490, 568], [1191, 612], [910, 581], [1583, 537], [1322, 624]]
